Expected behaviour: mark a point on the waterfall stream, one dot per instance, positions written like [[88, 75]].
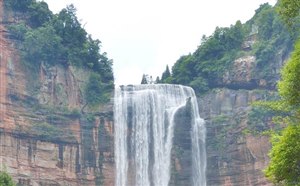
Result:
[[144, 120]]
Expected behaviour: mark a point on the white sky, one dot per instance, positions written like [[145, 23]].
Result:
[[142, 37]]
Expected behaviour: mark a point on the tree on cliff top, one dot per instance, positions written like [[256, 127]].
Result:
[[165, 77], [59, 39]]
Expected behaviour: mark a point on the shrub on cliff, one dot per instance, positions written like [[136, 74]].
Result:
[[6, 179], [284, 166], [96, 92]]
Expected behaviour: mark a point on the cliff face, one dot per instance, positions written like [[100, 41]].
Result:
[[235, 156], [47, 135], [237, 149]]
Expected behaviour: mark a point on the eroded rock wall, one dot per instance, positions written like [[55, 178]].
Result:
[[236, 156], [32, 161], [237, 148], [48, 136]]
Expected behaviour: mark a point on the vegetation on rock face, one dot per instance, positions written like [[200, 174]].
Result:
[[94, 88], [289, 86], [52, 43], [6, 179], [289, 11], [209, 61], [284, 165], [205, 68], [50, 39]]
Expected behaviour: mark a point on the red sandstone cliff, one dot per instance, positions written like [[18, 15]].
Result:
[[82, 155]]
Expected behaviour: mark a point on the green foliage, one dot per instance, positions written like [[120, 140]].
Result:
[[60, 39], [284, 167], [199, 85], [184, 69], [73, 35], [49, 132], [90, 118], [75, 113], [289, 11], [165, 78], [46, 131], [204, 69], [220, 119], [289, 87], [6, 179], [95, 91], [18, 31], [19, 5], [259, 117], [273, 39], [265, 16], [157, 80], [39, 14], [42, 45], [144, 79], [207, 64]]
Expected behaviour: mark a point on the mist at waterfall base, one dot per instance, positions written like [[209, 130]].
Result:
[[145, 120]]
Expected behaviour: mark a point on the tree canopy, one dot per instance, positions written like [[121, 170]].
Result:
[[289, 11], [204, 69], [51, 39]]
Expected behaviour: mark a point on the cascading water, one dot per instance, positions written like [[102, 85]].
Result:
[[144, 120]]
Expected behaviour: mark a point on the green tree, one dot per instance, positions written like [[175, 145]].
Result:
[[90, 53], [19, 5], [184, 70], [165, 75], [289, 11], [42, 45], [157, 80], [284, 167], [105, 69], [208, 63], [199, 85], [18, 31], [95, 91], [73, 36], [6, 179], [265, 17], [289, 86], [144, 79], [39, 14], [60, 39]]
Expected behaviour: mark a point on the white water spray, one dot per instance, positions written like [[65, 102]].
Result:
[[144, 128]]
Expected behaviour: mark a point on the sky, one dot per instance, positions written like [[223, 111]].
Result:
[[142, 37]]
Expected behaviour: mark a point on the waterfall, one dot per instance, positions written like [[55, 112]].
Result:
[[144, 120]]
